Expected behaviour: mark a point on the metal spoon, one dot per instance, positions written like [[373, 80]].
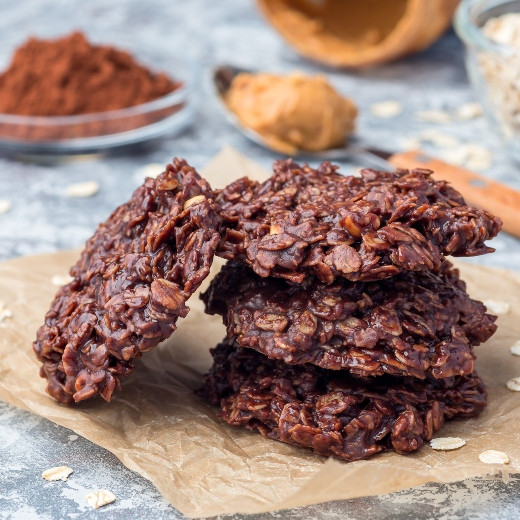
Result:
[[223, 77]]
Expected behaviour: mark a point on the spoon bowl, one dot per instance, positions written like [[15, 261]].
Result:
[[223, 77]]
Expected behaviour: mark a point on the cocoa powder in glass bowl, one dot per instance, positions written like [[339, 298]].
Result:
[[71, 96]]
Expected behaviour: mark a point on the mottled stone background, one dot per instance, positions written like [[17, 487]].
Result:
[[43, 219]]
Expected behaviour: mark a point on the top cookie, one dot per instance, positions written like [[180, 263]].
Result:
[[304, 221], [130, 285]]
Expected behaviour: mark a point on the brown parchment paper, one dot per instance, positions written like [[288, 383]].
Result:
[[159, 428]]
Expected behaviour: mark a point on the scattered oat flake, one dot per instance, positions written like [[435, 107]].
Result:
[[57, 473], [411, 143], [5, 206], [514, 384], [494, 457], [152, 170], [5, 313], [447, 443], [478, 165], [58, 280], [434, 116], [497, 307], [456, 156], [515, 348], [82, 189], [470, 110], [100, 498], [438, 138], [386, 109], [73, 437]]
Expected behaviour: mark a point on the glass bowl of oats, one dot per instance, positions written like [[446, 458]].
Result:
[[490, 30]]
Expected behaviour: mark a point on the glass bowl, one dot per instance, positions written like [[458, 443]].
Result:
[[98, 132], [493, 69]]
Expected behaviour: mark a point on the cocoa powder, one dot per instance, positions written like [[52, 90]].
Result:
[[70, 76]]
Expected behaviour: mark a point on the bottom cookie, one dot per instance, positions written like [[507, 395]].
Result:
[[334, 413]]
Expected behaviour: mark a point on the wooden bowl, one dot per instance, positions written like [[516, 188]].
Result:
[[356, 33]]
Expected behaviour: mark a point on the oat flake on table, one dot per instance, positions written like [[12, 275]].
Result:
[[470, 110], [57, 473], [437, 138], [152, 170], [5, 206], [82, 189], [100, 498], [447, 443], [434, 116], [386, 109]]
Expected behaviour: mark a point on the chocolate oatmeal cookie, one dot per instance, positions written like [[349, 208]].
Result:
[[332, 413], [413, 324], [304, 221], [130, 285]]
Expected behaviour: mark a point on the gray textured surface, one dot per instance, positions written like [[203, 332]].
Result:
[[43, 219]]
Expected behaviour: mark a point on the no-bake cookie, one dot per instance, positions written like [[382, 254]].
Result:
[[304, 221], [333, 413], [130, 285], [414, 324]]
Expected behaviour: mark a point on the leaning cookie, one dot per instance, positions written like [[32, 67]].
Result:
[[304, 221], [332, 413], [130, 285], [414, 324]]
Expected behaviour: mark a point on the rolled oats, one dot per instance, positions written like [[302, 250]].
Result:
[[494, 457], [515, 348], [194, 200], [57, 473], [447, 443], [152, 170], [469, 110], [513, 384], [59, 279], [5, 313], [386, 109], [434, 116], [437, 138], [100, 498], [500, 72], [497, 307], [82, 189], [5, 206]]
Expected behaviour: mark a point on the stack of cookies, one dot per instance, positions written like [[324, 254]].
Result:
[[348, 332]]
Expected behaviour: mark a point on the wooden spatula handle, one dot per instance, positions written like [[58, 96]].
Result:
[[479, 191]]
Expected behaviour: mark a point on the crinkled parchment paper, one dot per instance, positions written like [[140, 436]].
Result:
[[159, 428]]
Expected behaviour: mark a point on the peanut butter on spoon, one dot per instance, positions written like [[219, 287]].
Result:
[[292, 113]]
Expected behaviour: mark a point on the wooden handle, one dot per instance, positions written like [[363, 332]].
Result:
[[479, 191]]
